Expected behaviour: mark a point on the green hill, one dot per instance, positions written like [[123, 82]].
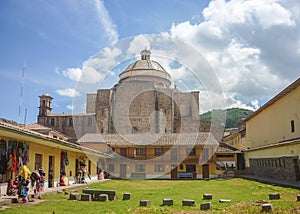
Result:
[[233, 116]]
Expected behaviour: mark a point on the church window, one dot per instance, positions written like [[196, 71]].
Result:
[[134, 130], [292, 126]]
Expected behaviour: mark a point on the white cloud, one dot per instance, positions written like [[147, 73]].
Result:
[[268, 13], [105, 20], [70, 107], [73, 73], [138, 44], [249, 44], [69, 92], [95, 69]]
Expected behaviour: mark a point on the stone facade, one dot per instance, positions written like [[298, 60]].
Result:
[[143, 101]]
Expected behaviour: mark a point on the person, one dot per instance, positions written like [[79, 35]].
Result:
[[42, 178], [23, 182], [101, 175], [35, 178], [63, 179], [25, 189], [12, 187]]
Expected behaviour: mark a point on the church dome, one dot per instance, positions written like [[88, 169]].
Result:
[[146, 69]]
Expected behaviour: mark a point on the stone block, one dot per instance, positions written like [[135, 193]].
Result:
[[207, 196], [298, 197], [167, 202], [126, 196], [74, 196], [144, 203], [267, 208], [274, 196], [103, 197], [14, 200], [205, 206], [86, 197], [187, 202], [224, 200]]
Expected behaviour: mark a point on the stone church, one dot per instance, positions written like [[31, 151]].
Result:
[[143, 101], [151, 128]]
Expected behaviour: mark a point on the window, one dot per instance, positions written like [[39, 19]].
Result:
[[292, 126], [111, 167], [37, 161], [190, 168], [52, 122], [159, 168], [134, 130], [140, 168], [225, 156], [90, 121], [190, 151], [158, 151], [140, 152]]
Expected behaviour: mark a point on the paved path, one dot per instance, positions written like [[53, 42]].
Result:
[[7, 199]]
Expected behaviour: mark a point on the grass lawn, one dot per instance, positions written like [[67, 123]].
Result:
[[246, 197]]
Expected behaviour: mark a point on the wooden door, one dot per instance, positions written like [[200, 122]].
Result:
[[51, 172], [205, 171], [174, 171]]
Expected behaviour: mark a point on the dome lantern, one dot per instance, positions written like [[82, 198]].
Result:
[[145, 54]]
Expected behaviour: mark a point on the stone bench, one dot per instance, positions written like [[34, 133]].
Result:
[[86, 197], [167, 202], [224, 200], [205, 206], [126, 196], [144, 203], [274, 196], [103, 197], [207, 196], [96, 194], [187, 202], [74, 196], [267, 208]]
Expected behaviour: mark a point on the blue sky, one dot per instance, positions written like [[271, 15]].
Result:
[[253, 46]]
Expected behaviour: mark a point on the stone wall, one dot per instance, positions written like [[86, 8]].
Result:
[[281, 168]]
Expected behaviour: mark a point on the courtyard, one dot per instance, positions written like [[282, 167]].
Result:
[[243, 196]]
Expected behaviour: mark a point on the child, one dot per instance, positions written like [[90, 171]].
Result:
[[12, 188], [25, 189]]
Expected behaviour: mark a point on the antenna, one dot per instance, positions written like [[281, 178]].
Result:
[[25, 117], [21, 92]]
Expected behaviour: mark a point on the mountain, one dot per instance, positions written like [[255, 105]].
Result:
[[233, 116]]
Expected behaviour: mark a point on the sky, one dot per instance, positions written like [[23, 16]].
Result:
[[69, 48]]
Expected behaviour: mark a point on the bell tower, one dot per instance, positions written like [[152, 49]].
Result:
[[44, 108]]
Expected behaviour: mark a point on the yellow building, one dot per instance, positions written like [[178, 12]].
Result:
[[166, 156], [273, 136], [20, 146]]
